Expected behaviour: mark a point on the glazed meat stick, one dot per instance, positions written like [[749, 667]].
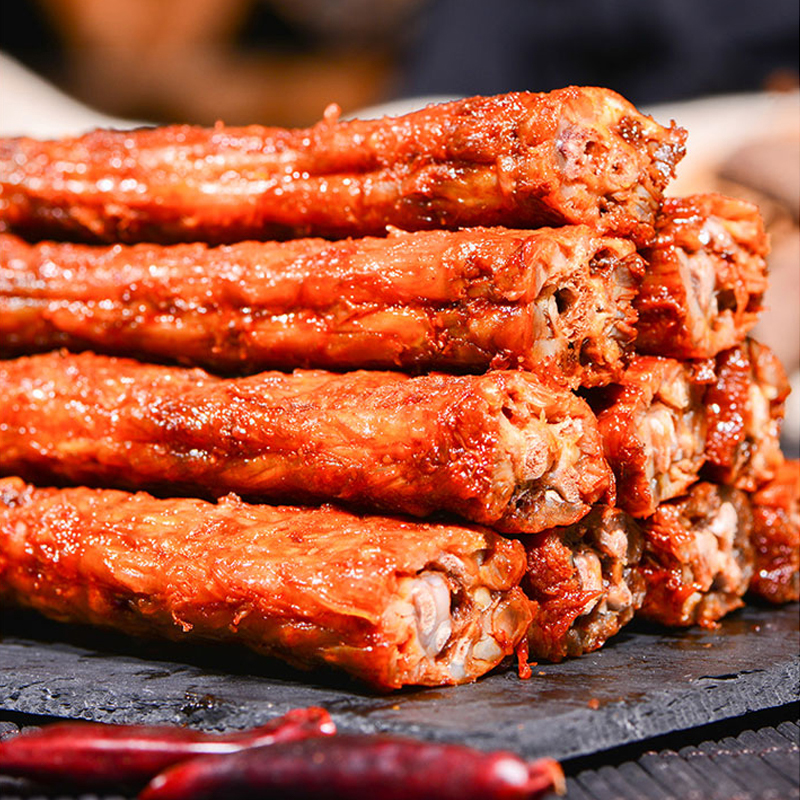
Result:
[[389, 601], [746, 406], [669, 422], [698, 556], [583, 582], [575, 155], [705, 279], [500, 448], [776, 536], [554, 300]]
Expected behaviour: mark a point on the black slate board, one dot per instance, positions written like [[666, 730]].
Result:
[[645, 683]]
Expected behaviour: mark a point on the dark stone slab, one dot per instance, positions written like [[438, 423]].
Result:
[[645, 683]]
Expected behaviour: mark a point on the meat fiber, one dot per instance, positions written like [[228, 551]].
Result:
[[575, 155], [556, 300], [706, 277], [389, 601], [500, 448]]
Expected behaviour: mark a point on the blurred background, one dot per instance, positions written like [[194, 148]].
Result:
[[727, 70], [281, 61]]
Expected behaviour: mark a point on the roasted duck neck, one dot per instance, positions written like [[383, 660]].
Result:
[[698, 557], [392, 602], [583, 583], [500, 449], [462, 624]]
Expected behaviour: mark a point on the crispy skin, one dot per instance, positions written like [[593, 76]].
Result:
[[557, 301], [576, 155], [391, 602], [776, 536], [706, 277], [698, 558], [653, 426], [669, 422], [745, 413], [499, 448], [583, 582]]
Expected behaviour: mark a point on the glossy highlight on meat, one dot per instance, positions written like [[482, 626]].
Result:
[[698, 557], [653, 425], [706, 277], [391, 602], [501, 448], [575, 155], [746, 405], [583, 582], [557, 301], [776, 536]]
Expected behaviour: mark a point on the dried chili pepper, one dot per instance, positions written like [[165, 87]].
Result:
[[94, 755], [351, 767]]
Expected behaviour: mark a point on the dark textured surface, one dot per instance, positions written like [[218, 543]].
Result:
[[645, 683], [751, 764], [755, 765]]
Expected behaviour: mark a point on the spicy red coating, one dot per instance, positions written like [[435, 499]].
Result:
[[557, 301], [314, 587], [500, 448], [575, 155], [776, 536]]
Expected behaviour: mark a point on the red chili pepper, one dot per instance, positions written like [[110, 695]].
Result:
[[354, 767], [92, 755]]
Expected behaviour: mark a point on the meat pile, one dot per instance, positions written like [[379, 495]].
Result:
[[520, 374]]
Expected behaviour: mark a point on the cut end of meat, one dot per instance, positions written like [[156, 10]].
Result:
[[549, 438], [698, 557], [776, 536], [618, 156], [653, 426], [583, 583], [706, 277], [464, 617]]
